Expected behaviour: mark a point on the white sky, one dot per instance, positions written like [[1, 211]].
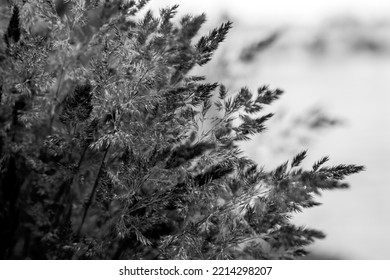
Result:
[[281, 11]]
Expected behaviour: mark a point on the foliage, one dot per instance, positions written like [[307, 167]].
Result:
[[108, 149]]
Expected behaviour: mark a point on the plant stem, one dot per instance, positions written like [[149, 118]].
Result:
[[89, 202]]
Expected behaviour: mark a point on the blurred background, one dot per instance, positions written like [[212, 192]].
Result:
[[332, 59]]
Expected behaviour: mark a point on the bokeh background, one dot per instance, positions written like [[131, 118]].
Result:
[[332, 59]]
